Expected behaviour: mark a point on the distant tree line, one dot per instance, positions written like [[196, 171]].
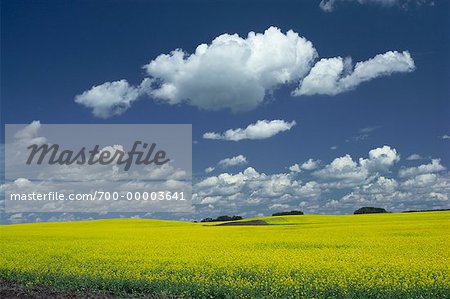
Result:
[[363, 210], [417, 211], [222, 218], [288, 213]]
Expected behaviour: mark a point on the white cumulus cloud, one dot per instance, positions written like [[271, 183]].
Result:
[[233, 161], [232, 72], [262, 129], [344, 171], [331, 76], [380, 159], [310, 164], [434, 166], [109, 98], [295, 168], [341, 186], [236, 73]]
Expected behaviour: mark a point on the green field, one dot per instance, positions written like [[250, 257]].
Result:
[[401, 255]]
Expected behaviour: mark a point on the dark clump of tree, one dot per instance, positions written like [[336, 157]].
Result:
[[222, 218], [369, 210], [288, 213]]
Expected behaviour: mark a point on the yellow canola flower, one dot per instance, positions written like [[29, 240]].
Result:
[[356, 256]]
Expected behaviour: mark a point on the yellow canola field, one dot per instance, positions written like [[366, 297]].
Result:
[[402, 255]]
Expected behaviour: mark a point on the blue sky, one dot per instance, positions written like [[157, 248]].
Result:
[[53, 51]]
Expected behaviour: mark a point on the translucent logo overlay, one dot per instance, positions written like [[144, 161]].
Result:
[[98, 168]]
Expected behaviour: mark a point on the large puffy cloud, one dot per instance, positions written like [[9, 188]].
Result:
[[237, 73], [262, 129], [232, 72], [331, 76], [434, 166], [329, 5]]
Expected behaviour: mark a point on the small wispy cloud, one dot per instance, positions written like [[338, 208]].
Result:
[[364, 134], [262, 129], [233, 161], [330, 5], [414, 157], [209, 169], [367, 130]]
